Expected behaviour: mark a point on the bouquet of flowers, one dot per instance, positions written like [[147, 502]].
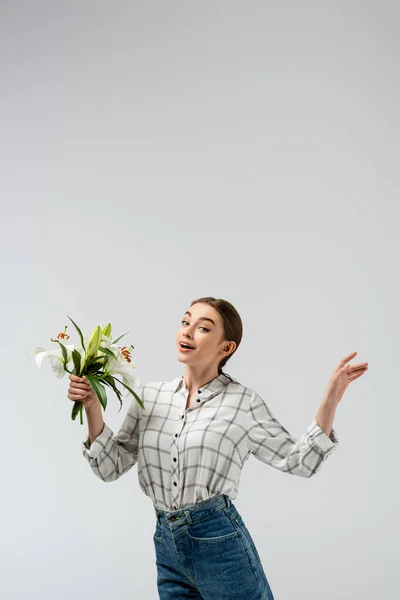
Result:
[[98, 358]]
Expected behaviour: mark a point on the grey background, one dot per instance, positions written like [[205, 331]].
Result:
[[154, 152]]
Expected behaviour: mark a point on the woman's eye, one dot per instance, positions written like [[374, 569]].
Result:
[[183, 322]]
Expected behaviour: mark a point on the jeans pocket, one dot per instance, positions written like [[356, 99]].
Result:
[[246, 532], [159, 532], [216, 528]]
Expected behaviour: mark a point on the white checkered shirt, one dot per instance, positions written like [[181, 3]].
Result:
[[187, 456]]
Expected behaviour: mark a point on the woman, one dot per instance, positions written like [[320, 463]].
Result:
[[191, 442]]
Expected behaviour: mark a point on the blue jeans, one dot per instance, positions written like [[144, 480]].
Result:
[[205, 552]]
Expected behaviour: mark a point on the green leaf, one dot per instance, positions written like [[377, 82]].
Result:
[[121, 336], [99, 389], [94, 367], [103, 380], [64, 351], [75, 409], [76, 357], [65, 356], [108, 352], [130, 390], [79, 332], [108, 380], [98, 361]]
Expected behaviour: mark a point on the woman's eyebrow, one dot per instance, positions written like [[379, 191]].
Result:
[[200, 318]]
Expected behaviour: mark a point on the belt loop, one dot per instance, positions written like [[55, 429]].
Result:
[[189, 518], [158, 517], [227, 501]]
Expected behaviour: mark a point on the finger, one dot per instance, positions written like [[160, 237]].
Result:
[[77, 396], [355, 376], [75, 377], [80, 386], [360, 371], [76, 392], [347, 358], [352, 368]]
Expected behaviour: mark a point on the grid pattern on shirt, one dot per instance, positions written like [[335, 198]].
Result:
[[185, 456]]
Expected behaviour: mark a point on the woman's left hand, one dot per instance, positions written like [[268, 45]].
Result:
[[342, 376]]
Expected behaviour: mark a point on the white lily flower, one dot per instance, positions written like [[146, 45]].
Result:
[[55, 356], [121, 364]]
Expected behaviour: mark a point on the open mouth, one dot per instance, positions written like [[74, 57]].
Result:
[[185, 347]]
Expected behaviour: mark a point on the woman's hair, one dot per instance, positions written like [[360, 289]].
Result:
[[231, 322]]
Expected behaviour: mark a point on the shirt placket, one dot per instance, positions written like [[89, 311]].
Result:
[[175, 487]]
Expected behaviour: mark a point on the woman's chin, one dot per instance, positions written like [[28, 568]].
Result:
[[182, 357]]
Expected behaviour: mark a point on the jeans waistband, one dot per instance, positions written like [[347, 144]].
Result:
[[188, 514]]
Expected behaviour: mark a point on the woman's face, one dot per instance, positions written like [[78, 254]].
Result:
[[201, 327]]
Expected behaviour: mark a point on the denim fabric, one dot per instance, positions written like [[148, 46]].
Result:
[[205, 552]]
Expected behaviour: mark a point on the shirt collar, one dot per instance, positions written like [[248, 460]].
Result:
[[210, 388]]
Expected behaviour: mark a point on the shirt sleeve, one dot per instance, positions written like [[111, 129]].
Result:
[[271, 443], [109, 455]]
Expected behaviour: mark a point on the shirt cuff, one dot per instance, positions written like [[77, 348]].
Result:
[[98, 443], [319, 438]]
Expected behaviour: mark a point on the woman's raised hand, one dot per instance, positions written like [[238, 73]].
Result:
[[342, 376], [80, 389]]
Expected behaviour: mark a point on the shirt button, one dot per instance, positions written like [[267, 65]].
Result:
[[174, 459], [199, 391], [175, 483], [183, 416], [176, 435], [198, 400]]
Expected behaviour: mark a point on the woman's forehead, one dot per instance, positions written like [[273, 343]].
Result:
[[203, 313]]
